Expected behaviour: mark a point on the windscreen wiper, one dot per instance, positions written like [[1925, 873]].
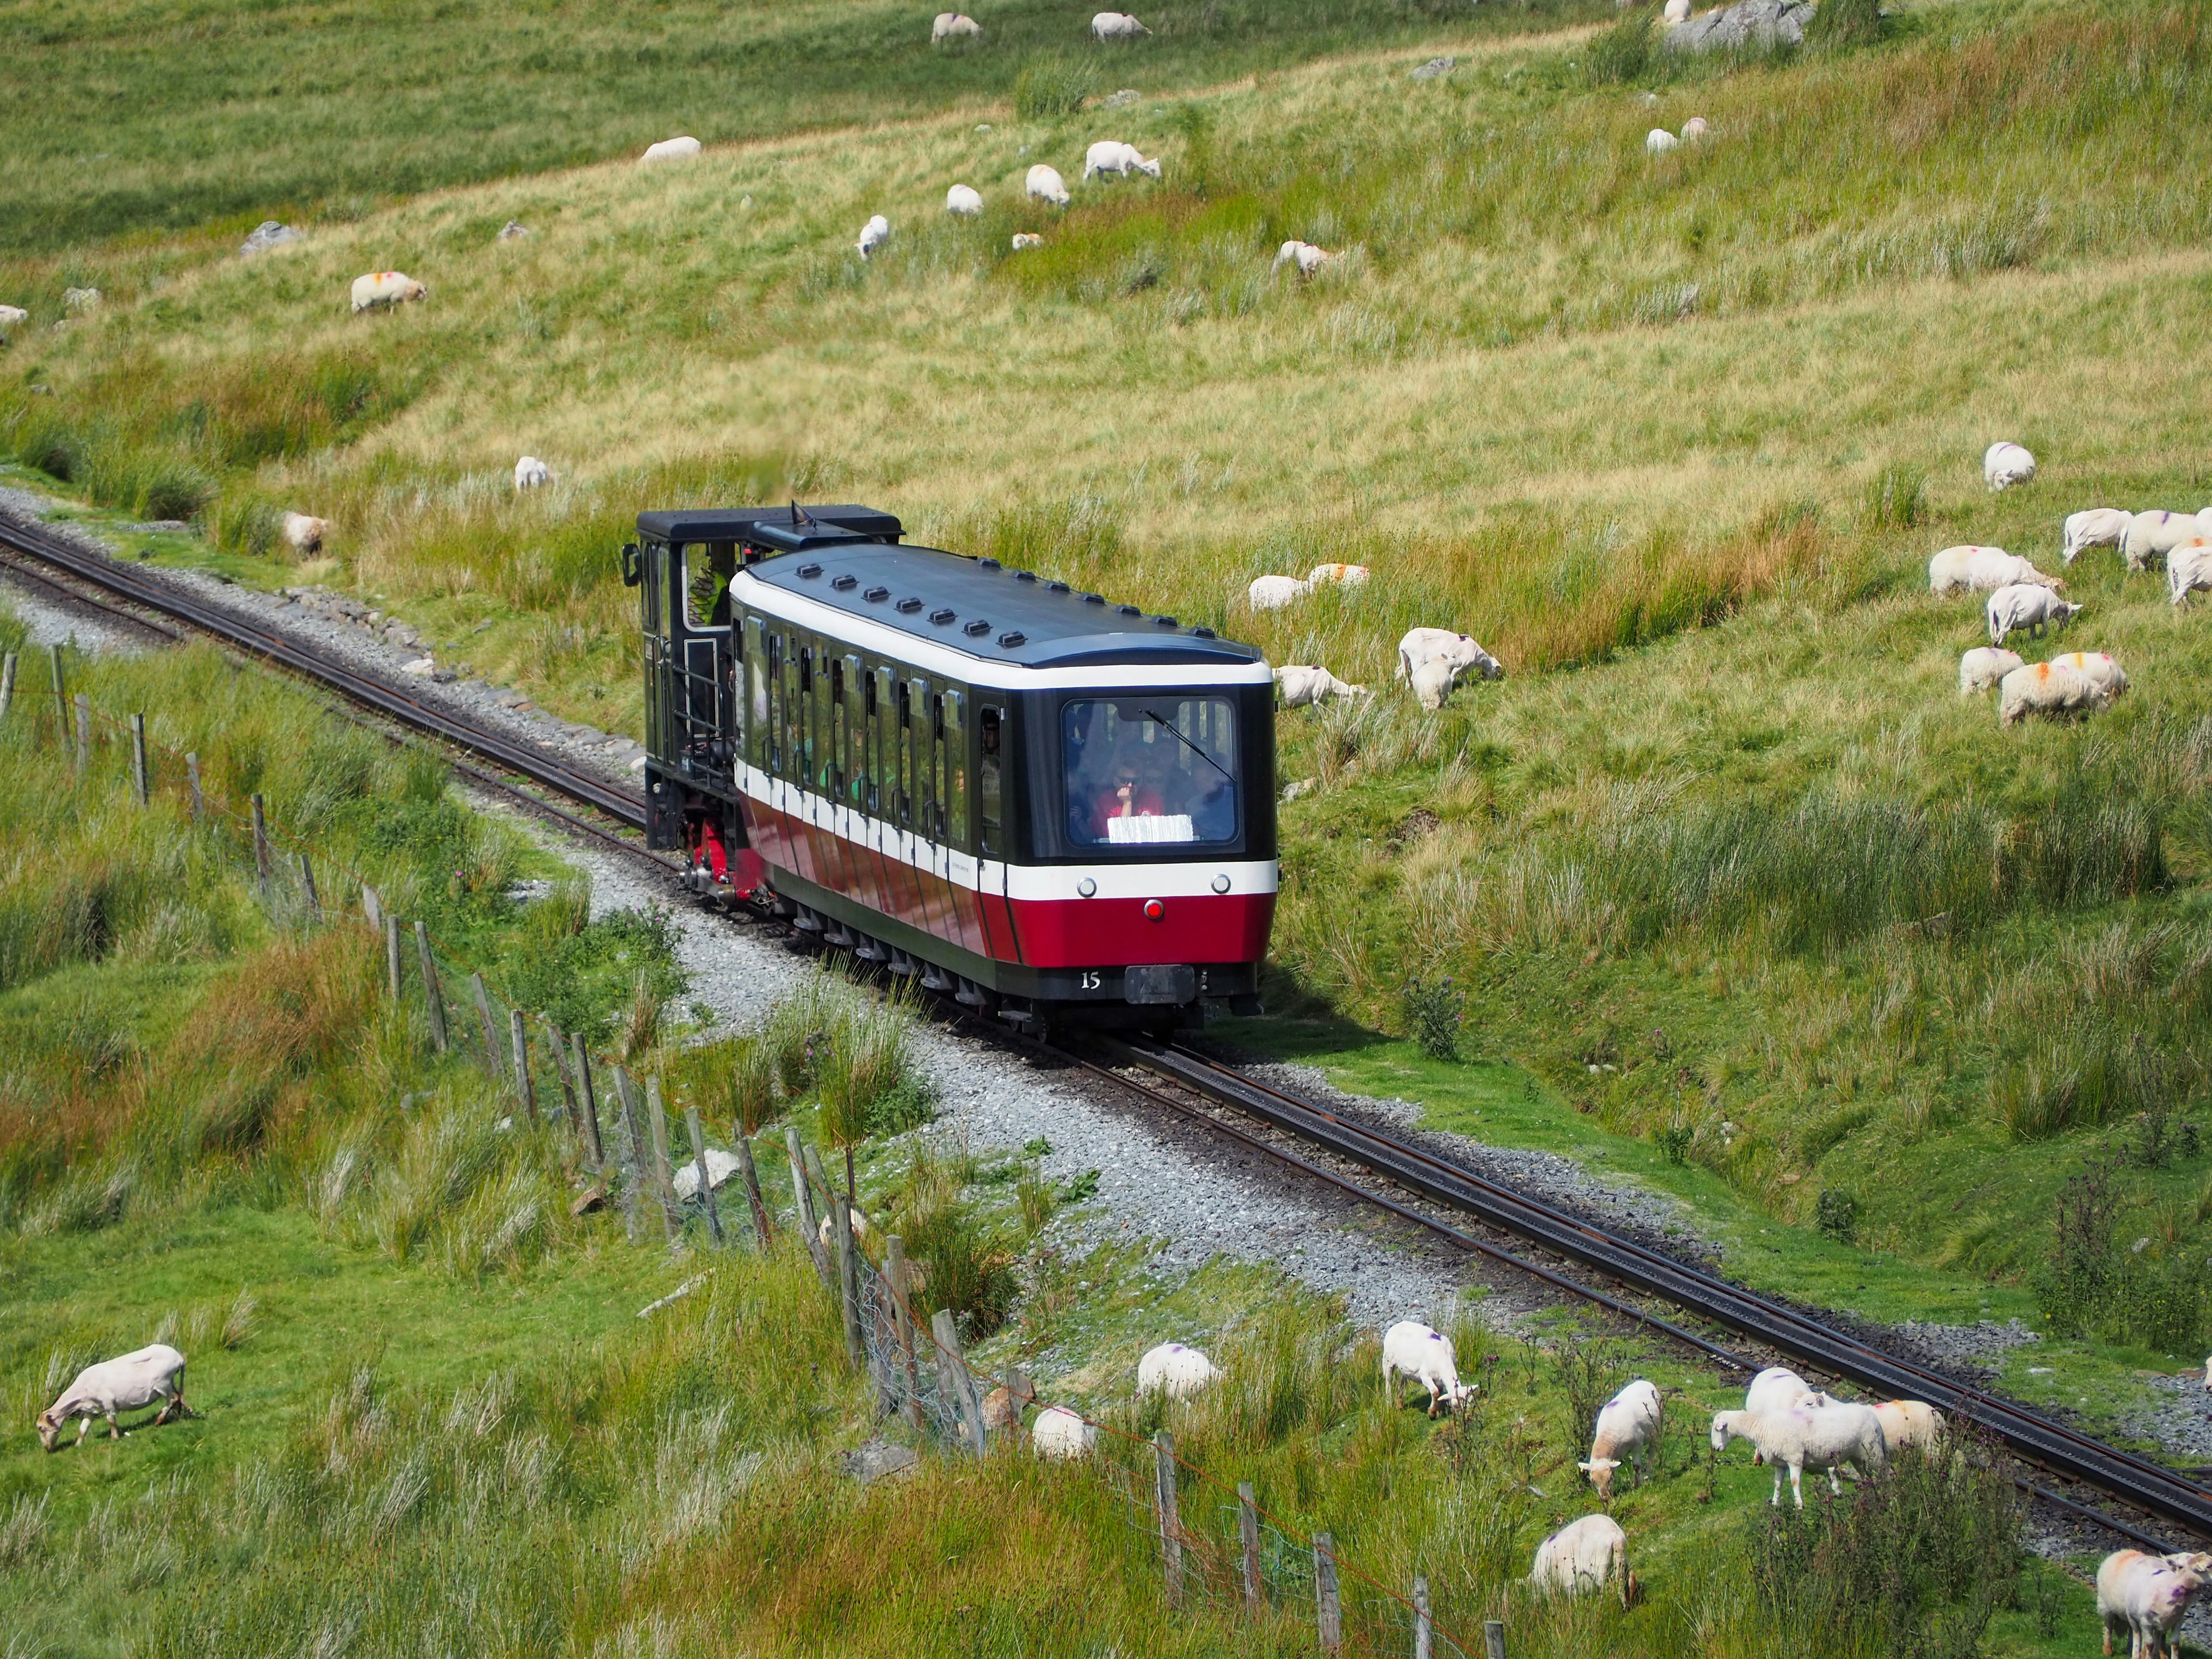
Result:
[[1168, 728]]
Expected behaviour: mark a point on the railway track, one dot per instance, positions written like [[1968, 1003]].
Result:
[[1177, 1074]]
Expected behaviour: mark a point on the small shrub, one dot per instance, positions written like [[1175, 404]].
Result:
[[1673, 1140], [1898, 498], [2154, 1135], [1433, 1013], [1050, 87], [1038, 1197], [1081, 1189], [1842, 25], [1588, 1373], [1839, 1216], [1622, 53]]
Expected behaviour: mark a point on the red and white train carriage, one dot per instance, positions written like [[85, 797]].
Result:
[[1057, 807]]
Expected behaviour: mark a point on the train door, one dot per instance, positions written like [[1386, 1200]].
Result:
[[660, 651], [993, 743], [703, 687]]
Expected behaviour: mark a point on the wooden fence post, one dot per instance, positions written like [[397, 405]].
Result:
[[1330, 1610], [632, 1149], [706, 1185], [138, 780], [901, 1309], [314, 898], [557, 1040], [958, 1382], [61, 699], [83, 731], [1163, 1499], [808, 1230], [371, 906], [1248, 1532], [490, 1037], [593, 1144], [1493, 1639], [519, 1039], [849, 1279], [199, 795], [761, 1229], [7, 683], [433, 992], [1424, 1640], [260, 840], [392, 973], [663, 1180]]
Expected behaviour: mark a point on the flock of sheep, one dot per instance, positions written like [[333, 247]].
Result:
[[1430, 661]]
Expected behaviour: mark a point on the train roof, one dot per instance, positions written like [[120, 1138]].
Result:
[[982, 609], [787, 527]]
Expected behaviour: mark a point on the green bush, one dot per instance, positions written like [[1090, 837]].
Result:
[[1898, 498], [1622, 53], [1433, 1013], [1050, 87], [1841, 25]]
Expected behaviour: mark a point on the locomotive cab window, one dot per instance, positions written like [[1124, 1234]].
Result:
[[1147, 771], [708, 567]]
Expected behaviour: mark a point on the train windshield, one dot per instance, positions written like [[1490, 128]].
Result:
[[1147, 771]]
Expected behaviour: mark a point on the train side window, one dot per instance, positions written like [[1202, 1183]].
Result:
[[708, 567], [990, 787], [792, 762], [821, 771], [840, 758], [914, 762], [952, 744], [887, 746], [856, 732], [757, 738]]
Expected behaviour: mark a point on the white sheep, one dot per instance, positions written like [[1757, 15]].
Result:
[[1676, 11], [2043, 687], [1582, 1555], [2098, 526], [1433, 683], [1302, 686], [1420, 645], [121, 1384], [1175, 1370], [962, 200], [11, 317], [1984, 666], [1274, 592], [2188, 568], [1627, 1429], [874, 234], [1659, 141], [1110, 155], [1972, 569], [1411, 1349], [1820, 1438], [531, 473], [1060, 1436], [1116, 26], [1304, 255], [2025, 604], [2151, 536], [1909, 1423], [1044, 184], [385, 288], [2146, 1595], [1695, 129], [2004, 464], [1338, 575], [670, 149], [1779, 1388], [303, 534], [954, 26], [1025, 240], [826, 1228], [2103, 670]]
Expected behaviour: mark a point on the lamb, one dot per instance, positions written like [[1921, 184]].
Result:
[[1659, 141], [1274, 592], [123, 1384], [1677, 11], [1109, 155], [2189, 566], [1433, 683], [954, 26], [1972, 569], [962, 200], [2024, 604], [1045, 185], [2098, 526], [385, 288], [1025, 240], [1176, 1371], [1426, 644], [1983, 666], [1304, 255], [1116, 26], [1338, 575], [11, 317], [1909, 1423], [1004, 1405], [670, 149], [1303, 686], [1060, 1436], [874, 234], [301, 533], [1582, 1555], [1413, 1349], [1820, 1438], [2151, 536], [531, 473], [2146, 1595], [2004, 464], [2102, 671], [1695, 129], [2045, 687], [1627, 1428], [827, 1230]]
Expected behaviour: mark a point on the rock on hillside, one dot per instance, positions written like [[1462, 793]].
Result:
[[1748, 22]]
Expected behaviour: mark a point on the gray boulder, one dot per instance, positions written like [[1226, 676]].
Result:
[[1748, 22], [267, 235], [1436, 69]]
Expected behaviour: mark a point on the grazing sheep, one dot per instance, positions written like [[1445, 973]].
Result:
[[1304, 255], [1909, 1423], [1045, 185], [1302, 686], [1060, 1436], [1627, 1428], [1339, 575], [1677, 11], [954, 26], [2103, 671], [2005, 464], [1981, 570], [1004, 1405], [1413, 1349], [1582, 1555], [1116, 26], [2024, 604], [1176, 1371], [1274, 592], [11, 316], [1819, 1439], [670, 149], [123, 1384], [1423, 644], [1983, 666], [2146, 1595], [1025, 240], [385, 288], [826, 1228], [531, 473], [962, 200], [2151, 536], [2100, 527], [1696, 126], [874, 234], [1659, 141], [1109, 155], [1433, 683], [2043, 687], [2189, 566], [303, 534], [1779, 1388]]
